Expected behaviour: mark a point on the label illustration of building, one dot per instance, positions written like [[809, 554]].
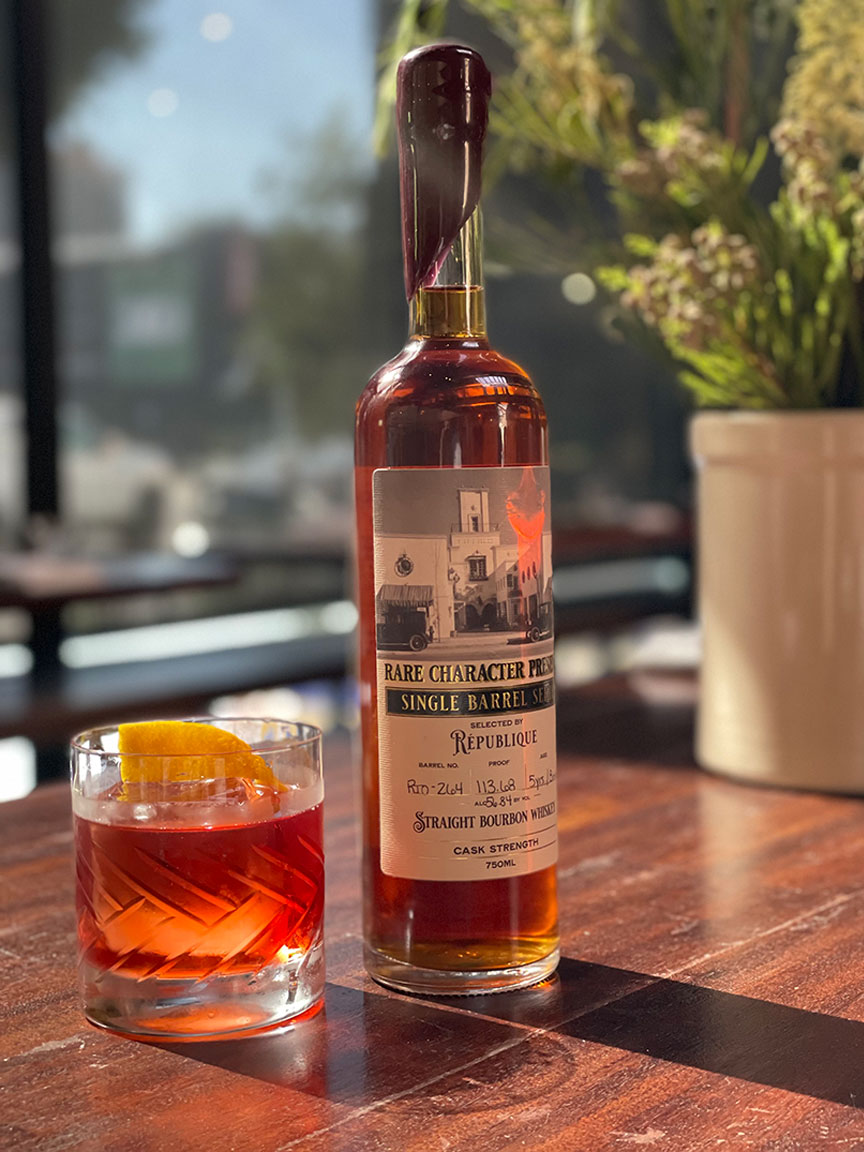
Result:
[[483, 566]]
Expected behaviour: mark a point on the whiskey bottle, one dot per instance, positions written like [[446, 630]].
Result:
[[454, 593]]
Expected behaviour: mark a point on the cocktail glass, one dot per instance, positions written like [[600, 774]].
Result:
[[200, 881]]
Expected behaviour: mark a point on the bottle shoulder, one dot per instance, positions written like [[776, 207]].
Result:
[[459, 405], [442, 371]]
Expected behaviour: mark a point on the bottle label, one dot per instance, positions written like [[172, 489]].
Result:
[[466, 699]]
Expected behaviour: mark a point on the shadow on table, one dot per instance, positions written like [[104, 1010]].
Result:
[[754, 1040], [365, 1047], [371, 1046]]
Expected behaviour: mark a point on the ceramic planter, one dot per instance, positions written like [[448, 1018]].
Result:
[[781, 596]]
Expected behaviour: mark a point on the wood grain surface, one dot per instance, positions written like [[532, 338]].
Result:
[[711, 994]]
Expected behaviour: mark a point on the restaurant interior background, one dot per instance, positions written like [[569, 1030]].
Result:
[[223, 274]]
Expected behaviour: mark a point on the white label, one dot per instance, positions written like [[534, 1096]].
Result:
[[466, 701]]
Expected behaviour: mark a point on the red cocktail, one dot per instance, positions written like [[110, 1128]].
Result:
[[200, 893]]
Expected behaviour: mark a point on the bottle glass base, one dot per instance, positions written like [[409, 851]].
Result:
[[441, 982]]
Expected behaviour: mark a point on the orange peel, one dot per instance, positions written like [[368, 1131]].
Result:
[[159, 751]]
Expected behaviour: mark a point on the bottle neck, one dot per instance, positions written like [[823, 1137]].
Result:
[[453, 307]]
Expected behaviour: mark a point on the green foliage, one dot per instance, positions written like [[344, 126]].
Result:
[[419, 22], [86, 37], [826, 81], [755, 297]]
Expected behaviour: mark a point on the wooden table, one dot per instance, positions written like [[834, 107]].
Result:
[[711, 995]]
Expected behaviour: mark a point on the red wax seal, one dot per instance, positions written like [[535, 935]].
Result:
[[442, 110]]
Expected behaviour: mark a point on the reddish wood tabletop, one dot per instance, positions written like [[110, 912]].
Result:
[[711, 995]]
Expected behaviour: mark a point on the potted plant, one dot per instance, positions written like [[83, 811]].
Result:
[[723, 144]]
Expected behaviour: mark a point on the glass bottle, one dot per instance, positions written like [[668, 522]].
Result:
[[454, 594]]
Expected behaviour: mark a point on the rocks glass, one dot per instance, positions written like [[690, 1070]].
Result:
[[200, 877]]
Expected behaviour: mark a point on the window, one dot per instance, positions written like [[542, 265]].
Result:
[[476, 567], [226, 274], [210, 182]]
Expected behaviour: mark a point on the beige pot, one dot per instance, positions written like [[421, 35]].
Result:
[[781, 596]]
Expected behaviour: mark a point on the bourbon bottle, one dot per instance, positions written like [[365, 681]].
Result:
[[454, 593]]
